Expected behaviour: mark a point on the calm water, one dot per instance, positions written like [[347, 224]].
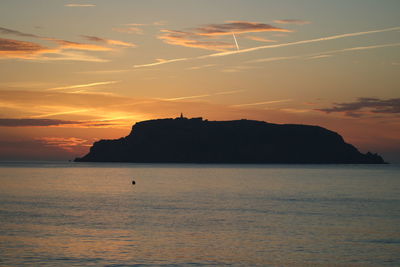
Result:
[[267, 215]]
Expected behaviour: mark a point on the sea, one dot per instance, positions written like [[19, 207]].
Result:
[[90, 214]]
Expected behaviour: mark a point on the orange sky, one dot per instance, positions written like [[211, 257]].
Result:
[[77, 71]]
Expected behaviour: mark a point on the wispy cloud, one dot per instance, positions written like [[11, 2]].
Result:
[[270, 59], [12, 122], [369, 47], [66, 143], [292, 21], [319, 56], [156, 23], [161, 62], [203, 37], [237, 27], [259, 39], [238, 68], [66, 56], [322, 39], [230, 92], [201, 67], [262, 103], [186, 97], [325, 54], [65, 50], [52, 114], [83, 85], [130, 30], [364, 106], [18, 33], [203, 95], [80, 5], [21, 49], [187, 39], [64, 44], [108, 41], [106, 71], [80, 46]]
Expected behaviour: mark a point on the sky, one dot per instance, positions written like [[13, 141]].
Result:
[[76, 71]]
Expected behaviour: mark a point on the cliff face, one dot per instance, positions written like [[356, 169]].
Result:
[[195, 140]]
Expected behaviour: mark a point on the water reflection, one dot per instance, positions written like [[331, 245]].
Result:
[[197, 215]]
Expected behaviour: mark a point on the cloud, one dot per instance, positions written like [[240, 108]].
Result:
[[83, 85], [18, 33], [108, 41], [67, 56], [32, 51], [36, 52], [68, 112], [91, 110], [117, 114], [79, 5], [160, 23], [201, 67], [259, 39], [63, 43], [28, 149], [80, 46], [270, 59], [365, 106], [320, 56], [136, 28], [292, 21], [263, 103], [237, 27], [11, 122], [21, 49], [161, 62], [325, 54], [15, 46], [101, 72], [130, 30], [322, 39], [186, 97], [203, 95], [203, 37], [233, 69], [188, 39], [67, 143], [156, 23]]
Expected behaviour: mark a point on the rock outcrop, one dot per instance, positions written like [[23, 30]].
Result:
[[195, 140]]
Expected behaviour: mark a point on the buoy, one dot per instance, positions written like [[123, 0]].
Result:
[[133, 182]]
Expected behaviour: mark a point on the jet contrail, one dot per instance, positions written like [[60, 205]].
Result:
[[82, 85], [228, 53], [234, 37], [321, 39]]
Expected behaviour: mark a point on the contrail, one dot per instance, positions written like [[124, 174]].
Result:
[[234, 37], [263, 103], [228, 53], [327, 38], [82, 85]]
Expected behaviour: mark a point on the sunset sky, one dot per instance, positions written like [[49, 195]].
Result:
[[76, 71]]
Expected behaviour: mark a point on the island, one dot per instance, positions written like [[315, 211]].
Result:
[[194, 140]]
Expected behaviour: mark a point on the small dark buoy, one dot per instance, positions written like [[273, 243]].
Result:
[[133, 182]]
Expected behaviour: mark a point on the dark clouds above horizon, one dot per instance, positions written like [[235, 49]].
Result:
[[364, 104], [12, 122], [204, 36]]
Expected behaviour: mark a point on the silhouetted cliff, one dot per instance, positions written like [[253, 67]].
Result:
[[183, 140]]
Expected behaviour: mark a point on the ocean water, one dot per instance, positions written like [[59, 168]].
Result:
[[81, 214]]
